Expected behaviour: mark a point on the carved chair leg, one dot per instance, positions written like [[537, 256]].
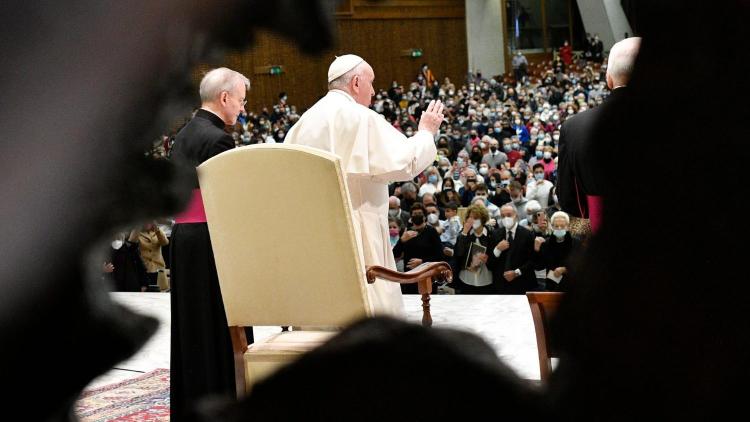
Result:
[[425, 288]]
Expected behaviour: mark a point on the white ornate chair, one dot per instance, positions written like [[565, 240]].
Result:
[[286, 252]]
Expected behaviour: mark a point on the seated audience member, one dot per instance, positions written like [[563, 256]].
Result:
[[474, 277], [539, 187], [512, 255], [419, 244], [408, 195], [467, 192], [434, 181], [501, 194], [483, 195], [517, 201], [395, 211], [395, 229], [555, 251], [448, 194], [530, 209], [150, 239], [433, 217], [495, 158]]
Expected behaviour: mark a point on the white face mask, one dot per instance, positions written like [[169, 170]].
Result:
[[394, 212], [117, 244], [477, 224], [508, 222], [432, 218], [483, 170], [547, 155]]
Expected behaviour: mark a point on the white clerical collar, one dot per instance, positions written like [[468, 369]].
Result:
[[344, 93]]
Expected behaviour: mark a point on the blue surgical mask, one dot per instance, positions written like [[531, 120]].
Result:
[[539, 176], [559, 233], [497, 130], [539, 154], [507, 148], [460, 161], [432, 178]]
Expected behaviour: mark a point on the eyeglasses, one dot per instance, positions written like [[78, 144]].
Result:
[[242, 102]]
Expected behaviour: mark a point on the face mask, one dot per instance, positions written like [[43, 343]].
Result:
[[393, 232], [559, 233], [484, 198], [518, 199], [547, 155], [539, 176], [394, 213], [493, 149], [493, 185], [117, 244], [516, 146], [505, 183], [508, 222], [497, 130], [444, 168], [409, 134], [432, 178], [483, 170], [460, 161], [417, 219], [539, 154], [477, 224], [482, 145], [507, 148], [432, 218]]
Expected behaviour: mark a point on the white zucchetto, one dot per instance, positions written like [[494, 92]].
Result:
[[343, 64]]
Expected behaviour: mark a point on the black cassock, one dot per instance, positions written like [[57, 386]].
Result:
[[202, 362]]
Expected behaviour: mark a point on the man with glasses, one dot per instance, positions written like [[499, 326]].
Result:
[[201, 358]]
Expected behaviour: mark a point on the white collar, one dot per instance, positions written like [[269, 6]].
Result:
[[344, 93]]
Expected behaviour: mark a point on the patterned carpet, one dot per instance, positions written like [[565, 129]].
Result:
[[143, 398]]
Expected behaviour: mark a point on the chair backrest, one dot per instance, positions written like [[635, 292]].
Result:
[[543, 307], [280, 222]]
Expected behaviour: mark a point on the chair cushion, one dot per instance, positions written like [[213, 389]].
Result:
[[289, 342]]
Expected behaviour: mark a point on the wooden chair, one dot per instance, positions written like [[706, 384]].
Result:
[[543, 307], [287, 252]]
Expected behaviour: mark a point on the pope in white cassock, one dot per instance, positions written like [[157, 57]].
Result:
[[373, 153]]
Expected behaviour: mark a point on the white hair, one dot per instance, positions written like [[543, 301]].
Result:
[[533, 206], [219, 80], [395, 200], [342, 82], [560, 214], [621, 60]]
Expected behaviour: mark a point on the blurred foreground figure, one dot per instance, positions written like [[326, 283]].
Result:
[[83, 96]]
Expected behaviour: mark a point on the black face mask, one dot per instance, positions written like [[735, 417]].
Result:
[[493, 149], [417, 219]]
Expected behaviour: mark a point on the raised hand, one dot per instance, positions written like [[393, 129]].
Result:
[[432, 117]]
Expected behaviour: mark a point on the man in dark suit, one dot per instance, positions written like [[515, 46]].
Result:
[[581, 177], [202, 361], [511, 253]]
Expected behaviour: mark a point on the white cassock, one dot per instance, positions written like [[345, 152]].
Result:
[[373, 153]]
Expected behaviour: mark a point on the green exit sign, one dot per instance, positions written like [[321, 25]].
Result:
[[416, 52], [275, 70]]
